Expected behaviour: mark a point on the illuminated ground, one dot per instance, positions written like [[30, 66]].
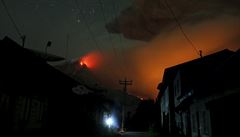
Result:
[[139, 134]]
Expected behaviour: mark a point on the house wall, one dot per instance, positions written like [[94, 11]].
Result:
[[5, 118], [209, 113], [225, 114], [30, 112], [182, 117], [165, 119], [185, 123], [19, 113], [200, 119], [211, 120], [177, 88], [178, 118]]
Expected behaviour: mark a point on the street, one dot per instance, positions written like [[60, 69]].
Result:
[[139, 134]]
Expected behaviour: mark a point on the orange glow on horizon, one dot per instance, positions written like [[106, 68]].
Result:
[[145, 63]]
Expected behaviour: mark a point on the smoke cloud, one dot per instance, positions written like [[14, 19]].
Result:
[[211, 25], [146, 19]]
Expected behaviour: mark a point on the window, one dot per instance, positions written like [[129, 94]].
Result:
[[205, 123], [177, 89], [194, 126]]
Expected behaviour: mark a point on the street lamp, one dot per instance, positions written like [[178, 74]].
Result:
[[49, 43], [109, 121]]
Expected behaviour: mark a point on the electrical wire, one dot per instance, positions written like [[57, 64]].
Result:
[[124, 59], [168, 7], [89, 28], [11, 19], [92, 34], [109, 35]]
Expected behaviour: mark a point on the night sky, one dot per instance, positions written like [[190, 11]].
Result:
[[144, 39], [44, 20]]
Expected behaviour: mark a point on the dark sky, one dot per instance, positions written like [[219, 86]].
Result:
[[44, 20], [151, 39]]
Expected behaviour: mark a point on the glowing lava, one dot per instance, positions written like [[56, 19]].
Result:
[[81, 62], [91, 60]]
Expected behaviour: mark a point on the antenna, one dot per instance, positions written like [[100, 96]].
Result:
[[23, 37], [23, 40], [200, 53], [67, 45]]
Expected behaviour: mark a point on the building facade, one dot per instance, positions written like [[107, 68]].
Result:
[[37, 98], [205, 93]]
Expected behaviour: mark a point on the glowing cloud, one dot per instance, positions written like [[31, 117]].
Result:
[[146, 63]]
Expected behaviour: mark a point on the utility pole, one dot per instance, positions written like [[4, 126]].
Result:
[[125, 83], [67, 45], [23, 38]]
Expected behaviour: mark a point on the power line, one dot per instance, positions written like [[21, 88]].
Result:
[[88, 28], [91, 33], [124, 59], [11, 18], [105, 20], [181, 28], [121, 41], [23, 37], [109, 35]]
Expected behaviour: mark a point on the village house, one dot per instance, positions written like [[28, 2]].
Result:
[[35, 97], [199, 98]]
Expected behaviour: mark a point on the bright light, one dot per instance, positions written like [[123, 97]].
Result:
[[109, 121], [91, 60], [81, 63]]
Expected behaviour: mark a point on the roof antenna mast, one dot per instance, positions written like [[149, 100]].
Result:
[[200, 53]]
